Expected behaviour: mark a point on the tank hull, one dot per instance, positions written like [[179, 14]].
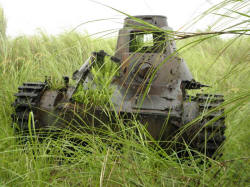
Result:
[[54, 111]]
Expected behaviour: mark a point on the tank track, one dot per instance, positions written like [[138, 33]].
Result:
[[27, 100], [210, 130]]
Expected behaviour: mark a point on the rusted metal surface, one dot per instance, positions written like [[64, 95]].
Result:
[[156, 20]]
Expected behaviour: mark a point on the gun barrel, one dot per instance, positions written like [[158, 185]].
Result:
[[79, 73]]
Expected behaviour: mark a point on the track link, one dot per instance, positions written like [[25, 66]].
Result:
[[27, 100], [211, 128]]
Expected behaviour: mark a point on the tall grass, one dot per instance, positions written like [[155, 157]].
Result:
[[221, 63], [2, 34], [2, 24]]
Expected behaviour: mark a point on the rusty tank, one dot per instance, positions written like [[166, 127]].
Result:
[[151, 86]]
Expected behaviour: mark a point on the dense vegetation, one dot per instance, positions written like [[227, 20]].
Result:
[[221, 63]]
